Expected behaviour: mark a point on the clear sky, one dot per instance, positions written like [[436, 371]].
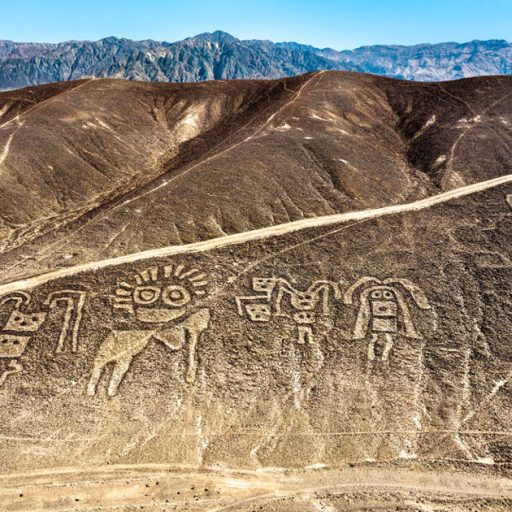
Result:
[[339, 24]]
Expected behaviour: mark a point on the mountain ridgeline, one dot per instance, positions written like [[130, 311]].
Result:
[[220, 56]]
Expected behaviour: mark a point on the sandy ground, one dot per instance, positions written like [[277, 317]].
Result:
[[159, 488]]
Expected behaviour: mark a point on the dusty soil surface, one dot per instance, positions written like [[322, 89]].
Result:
[[160, 489], [351, 358], [289, 350]]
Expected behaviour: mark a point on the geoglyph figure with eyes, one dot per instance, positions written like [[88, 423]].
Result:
[[383, 310], [275, 294], [161, 298]]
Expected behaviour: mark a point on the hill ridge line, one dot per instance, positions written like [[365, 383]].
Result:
[[258, 234], [295, 95]]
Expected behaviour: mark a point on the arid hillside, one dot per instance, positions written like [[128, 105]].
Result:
[[355, 362], [288, 295], [102, 168]]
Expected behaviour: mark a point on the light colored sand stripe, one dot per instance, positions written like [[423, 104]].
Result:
[[258, 234], [5, 151]]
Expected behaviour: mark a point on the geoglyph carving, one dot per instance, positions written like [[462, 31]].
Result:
[[159, 295], [21, 325], [74, 301], [307, 305], [383, 310]]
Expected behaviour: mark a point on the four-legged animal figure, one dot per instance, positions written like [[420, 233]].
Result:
[[120, 347]]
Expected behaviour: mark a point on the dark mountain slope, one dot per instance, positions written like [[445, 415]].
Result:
[[115, 167]]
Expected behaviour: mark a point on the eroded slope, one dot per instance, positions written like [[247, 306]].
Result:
[[373, 343], [119, 167]]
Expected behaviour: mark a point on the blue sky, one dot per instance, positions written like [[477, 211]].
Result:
[[341, 24]]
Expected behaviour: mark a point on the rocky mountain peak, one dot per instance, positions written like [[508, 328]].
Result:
[[219, 55]]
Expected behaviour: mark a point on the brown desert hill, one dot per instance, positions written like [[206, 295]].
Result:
[[288, 295], [100, 168], [356, 362]]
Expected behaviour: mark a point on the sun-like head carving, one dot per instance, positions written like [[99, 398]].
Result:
[[160, 294]]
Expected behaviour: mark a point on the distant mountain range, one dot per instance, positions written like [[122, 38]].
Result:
[[218, 55]]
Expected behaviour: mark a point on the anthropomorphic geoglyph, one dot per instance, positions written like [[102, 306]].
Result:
[[383, 310], [306, 305], [22, 324], [161, 299], [17, 332]]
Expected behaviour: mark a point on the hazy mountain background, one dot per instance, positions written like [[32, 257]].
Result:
[[219, 55]]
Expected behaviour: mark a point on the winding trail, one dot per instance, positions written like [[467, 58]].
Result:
[[258, 234], [5, 151]]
